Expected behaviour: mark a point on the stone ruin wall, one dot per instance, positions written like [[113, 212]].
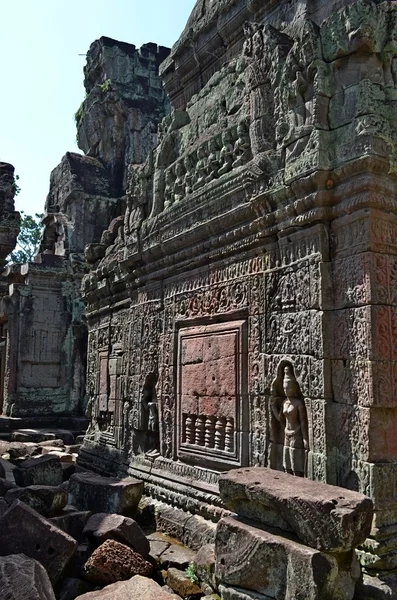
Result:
[[42, 309], [258, 240]]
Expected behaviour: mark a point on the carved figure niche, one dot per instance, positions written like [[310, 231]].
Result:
[[289, 424], [149, 417]]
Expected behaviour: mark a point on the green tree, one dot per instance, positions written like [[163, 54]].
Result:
[[28, 239]]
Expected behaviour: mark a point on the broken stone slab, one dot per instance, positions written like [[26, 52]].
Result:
[[177, 556], [43, 470], [113, 562], [89, 491], [324, 517], [178, 581], [102, 527], [46, 500], [157, 548], [73, 522], [136, 587], [52, 443], [277, 567], [23, 578], [23, 530], [17, 449], [64, 457]]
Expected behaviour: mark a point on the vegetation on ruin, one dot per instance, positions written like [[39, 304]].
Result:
[[79, 114], [15, 185], [28, 238], [105, 86], [191, 573]]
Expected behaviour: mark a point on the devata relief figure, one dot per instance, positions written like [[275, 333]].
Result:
[[150, 417], [290, 411]]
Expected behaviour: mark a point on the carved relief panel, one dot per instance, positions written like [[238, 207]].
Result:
[[212, 394]]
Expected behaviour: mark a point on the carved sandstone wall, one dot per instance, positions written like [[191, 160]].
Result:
[[249, 297]]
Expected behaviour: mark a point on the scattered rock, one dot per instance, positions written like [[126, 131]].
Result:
[[46, 500], [17, 449], [64, 457], [6, 485], [72, 522], [89, 491], [74, 448], [338, 520], [3, 507], [68, 469], [102, 527], [7, 470], [157, 548], [177, 556], [204, 564], [181, 584], [113, 562], [31, 435], [23, 578], [137, 587], [52, 443], [23, 530], [44, 470]]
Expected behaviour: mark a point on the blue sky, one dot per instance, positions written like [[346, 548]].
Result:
[[42, 73]]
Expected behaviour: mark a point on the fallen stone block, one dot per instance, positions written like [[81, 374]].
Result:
[[73, 522], [7, 470], [64, 457], [177, 556], [31, 435], [46, 500], [44, 470], [277, 567], [6, 485], [23, 530], [22, 578], [136, 587], [102, 527], [324, 517], [113, 562], [17, 449], [74, 448], [3, 507], [204, 564], [179, 582], [89, 491]]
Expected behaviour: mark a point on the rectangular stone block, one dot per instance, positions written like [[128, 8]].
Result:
[[259, 561], [324, 517], [24, 531]]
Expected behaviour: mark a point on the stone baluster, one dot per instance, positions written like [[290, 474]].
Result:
[[220, 433], [229, 435], [200, 431], [190, 429], [210, 432]]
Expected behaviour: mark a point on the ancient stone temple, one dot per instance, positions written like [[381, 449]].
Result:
[[44, 374], [244, 312]]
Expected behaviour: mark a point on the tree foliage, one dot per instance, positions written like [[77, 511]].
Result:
[[28, 239]]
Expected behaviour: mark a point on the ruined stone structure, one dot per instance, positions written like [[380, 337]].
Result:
[[44, 375], [245, 312]]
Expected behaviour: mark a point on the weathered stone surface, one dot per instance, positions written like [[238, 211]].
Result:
[[101, 527], [46, 500], [179, 582], [32, 435], [23, 578], [44, 470], [204, 564], [6, 485], [136, 587], [323, 517], [177, 556], [7, 469], [3, 507], [17, 449], [23, 530], [373, 588], [72, 522], [89, 491], [113, 562], [9, 218], [277, 567]]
